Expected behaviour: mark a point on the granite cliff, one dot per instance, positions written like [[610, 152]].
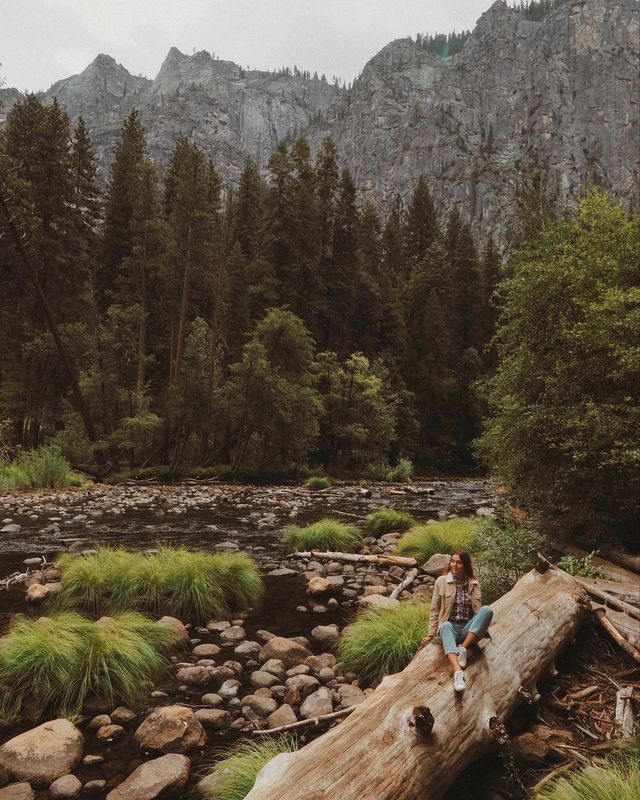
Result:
[[560, 94]]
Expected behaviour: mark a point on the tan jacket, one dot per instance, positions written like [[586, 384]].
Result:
[[444, 595]]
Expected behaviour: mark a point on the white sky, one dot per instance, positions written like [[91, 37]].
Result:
[[42, 41]]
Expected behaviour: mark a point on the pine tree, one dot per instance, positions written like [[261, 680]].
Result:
[[344, 276], [421, 226], [248, 211]]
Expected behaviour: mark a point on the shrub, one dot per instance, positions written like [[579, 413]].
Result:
[[235, 775], [401, 473], [584, 567], [447, 536], [383, 641], [508, 551], [318, 482], [44, 468], [617, 778], [63, 659], [191, 586], [326, 534], [388, 519]]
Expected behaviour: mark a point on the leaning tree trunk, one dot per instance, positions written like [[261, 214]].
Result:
[[412, 736]]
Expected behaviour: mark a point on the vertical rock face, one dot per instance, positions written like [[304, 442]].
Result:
[[561, 94]]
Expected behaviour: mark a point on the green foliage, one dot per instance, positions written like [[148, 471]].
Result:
[[507, 551], [388, 519], [174, 581], [447, 536], [326, 534], [383, 641], [583, 567], [615, 778], [235, 774], [44, 468], [401, 473], [318, 482], [64, 659], [564, 401]]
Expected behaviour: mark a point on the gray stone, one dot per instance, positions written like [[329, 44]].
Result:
[[17, 791], [261, 678], [377, 601], [288, 651], [247, 649], [162, 777], [170, 729], [229, 689], [285, 715], [65, 788], [350, 695], [261, 706], [437, 564], [233, 634], [109, 733], [326, 635], [194, 676], [213, 718], [44, 753], [206, 650], [317, 704]]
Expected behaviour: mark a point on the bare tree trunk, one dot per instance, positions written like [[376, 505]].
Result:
[[414, 734]]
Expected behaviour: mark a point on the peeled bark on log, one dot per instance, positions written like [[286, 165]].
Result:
[[357, 558], [382, 752]]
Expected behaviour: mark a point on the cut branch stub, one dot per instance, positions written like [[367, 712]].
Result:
[[422, 720], [498, 732], [526, 696]]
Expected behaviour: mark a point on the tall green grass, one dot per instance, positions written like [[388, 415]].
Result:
[[192, 586], [447, 536], [618, 778], [318, 482], [383, 641], [63, 659], [234, 776], [326, 534], [388, 519], [44, 468]]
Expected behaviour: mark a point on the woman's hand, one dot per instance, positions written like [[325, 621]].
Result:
[[425, 641]]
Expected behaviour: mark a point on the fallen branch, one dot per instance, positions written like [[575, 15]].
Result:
[[601, 615], [608, 599], [356, 558], [404, 584], [304, 723], [624, 720], [584, 693], [380, 753]]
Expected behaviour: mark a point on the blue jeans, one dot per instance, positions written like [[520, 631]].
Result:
[[454, 633]]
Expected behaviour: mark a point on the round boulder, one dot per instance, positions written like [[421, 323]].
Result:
[[286, 650], [43, 754], [162, 777], [65, 788], [170, 729]]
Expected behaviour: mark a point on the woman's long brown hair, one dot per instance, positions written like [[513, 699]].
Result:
[[466, 563]]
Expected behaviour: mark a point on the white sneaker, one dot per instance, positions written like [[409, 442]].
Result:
[[458, 681], [462, 656]]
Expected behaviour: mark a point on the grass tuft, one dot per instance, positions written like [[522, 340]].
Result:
[[617, 778], [318, 482], [447, 536], [63, 659], [191, 586], [383, 641], [233, 777], [385, 520], [326, 534], [44, 468]]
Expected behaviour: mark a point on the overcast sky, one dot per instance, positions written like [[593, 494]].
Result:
[[42, 41]]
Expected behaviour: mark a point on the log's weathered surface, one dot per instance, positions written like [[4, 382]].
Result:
[[356, 558], [389, 749]]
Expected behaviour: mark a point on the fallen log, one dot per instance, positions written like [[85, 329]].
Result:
[[601, 615], [414, 734], [608, 599], [357, 558]]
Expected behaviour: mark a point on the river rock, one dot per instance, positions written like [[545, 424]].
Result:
[[261, 678], [288, 651], [65, 788], [229, 689], [376, 589], [17, 791], [164, 776], [436, 565], [262, 706], [304, 684], [122, 715], [280, 572], [94, 786], [44, 753], [318, 662], [109, 733], [212, 699], [247, 649], [350, 695], [318, 586], [285, 715], [206, 650], [377, 601], [275, 667], [529, 748], [235, 633], [99, 722], [213, 718], [182, 634], [193, 676], [170, 729], [37, 592], [326, 635], [317, 704], [217, 627]]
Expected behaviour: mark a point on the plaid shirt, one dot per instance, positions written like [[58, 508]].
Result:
[[462, 610]]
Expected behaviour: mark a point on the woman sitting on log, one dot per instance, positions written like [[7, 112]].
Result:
[[457, 614]]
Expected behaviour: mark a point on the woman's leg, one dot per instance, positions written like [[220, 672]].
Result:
[[477, 626], [448, 637]]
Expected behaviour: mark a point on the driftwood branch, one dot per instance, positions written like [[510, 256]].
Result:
[[356, 558], [608, 599], [624, 721], [601, 615], [404, 585], [376, 753], [304, 723]]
